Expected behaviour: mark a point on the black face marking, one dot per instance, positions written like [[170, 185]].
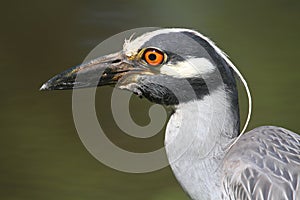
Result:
[[225, 70], [174, 58], [168, 90], [116, 61], [178, 43], [180, 46], [223, 67]]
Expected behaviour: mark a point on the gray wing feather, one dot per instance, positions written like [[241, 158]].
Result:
[[263, 165]]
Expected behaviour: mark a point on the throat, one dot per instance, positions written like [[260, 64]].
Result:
[[211, 121], [197, 138]]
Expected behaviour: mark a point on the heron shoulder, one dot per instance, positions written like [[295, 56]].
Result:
[[263, 164]]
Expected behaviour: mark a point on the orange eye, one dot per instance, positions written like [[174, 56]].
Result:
[[153, 57]]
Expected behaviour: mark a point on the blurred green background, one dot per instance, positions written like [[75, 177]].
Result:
[[41, 154]]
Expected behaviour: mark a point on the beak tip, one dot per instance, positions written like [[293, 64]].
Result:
[[44, 87]]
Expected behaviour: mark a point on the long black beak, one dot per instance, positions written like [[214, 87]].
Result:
[[105, 70]]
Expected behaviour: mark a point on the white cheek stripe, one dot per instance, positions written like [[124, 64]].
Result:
[[188, 68], [131, 47], [235, 69]]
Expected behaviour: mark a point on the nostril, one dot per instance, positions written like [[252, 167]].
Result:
[[116, 61]]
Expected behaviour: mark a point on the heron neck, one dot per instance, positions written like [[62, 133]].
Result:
[[213, 120], [197, 137]]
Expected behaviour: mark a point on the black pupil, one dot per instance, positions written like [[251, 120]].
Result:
[[152, 56]]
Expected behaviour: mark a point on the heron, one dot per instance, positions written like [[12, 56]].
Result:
[[184, 70]]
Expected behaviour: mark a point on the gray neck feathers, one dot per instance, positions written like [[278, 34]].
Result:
[[206, 117], [197, 137]]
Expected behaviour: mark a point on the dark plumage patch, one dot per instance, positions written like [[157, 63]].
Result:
[[169, 90], [174, 58], [225, 70], [181, 46]]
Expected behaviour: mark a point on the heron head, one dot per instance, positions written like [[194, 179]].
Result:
[[166, 66]]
